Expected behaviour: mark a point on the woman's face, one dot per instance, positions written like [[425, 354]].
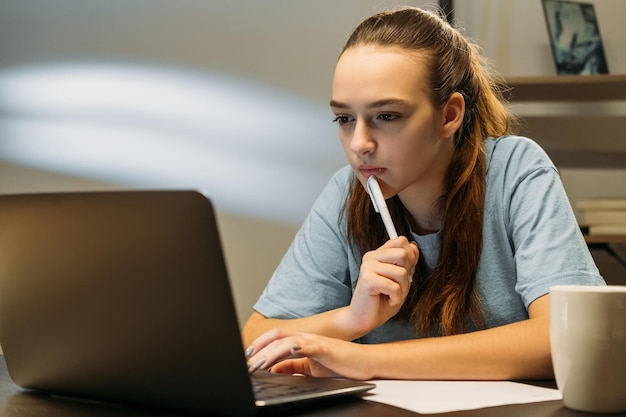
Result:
[[388, 125]]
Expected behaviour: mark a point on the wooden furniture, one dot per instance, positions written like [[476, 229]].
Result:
[[593, 135], [593, 239], [568, 88], [609, 253], [15, 402], [591, 132]]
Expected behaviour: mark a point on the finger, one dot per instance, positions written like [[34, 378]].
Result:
[[293, 366], [304, 366], [415, 252], [415, 257], [408, 260], [400, 274], [396, 273], [405, 255], [264, 340], [387, 283], [275, 352]]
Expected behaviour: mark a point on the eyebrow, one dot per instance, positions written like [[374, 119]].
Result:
[[374, 104]]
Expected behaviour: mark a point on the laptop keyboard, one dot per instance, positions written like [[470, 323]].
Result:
[[267, 389]]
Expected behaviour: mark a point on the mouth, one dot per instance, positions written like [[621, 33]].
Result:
[[368, 171]]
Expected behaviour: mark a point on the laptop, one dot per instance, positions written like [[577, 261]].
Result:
[[123, 296]]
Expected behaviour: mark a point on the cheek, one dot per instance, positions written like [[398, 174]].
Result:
[[350, 157], [345, 142], [345, 138]]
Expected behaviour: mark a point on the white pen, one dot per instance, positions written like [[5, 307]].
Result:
[[380, 205]]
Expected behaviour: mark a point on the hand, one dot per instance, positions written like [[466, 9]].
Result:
[[383, 284], [308, 354]]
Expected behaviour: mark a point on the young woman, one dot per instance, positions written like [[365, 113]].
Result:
[[485, 226]]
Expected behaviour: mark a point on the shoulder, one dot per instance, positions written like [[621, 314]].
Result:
[[343, 177], [516, 151], [518, 166], [329, 204], [513, 159]]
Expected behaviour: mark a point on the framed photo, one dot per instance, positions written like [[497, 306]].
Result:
[[575, 37]]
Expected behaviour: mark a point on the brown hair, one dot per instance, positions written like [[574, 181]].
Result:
[[447, 301]]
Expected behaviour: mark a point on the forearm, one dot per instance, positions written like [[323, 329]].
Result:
[[516, 351], [334, 323]]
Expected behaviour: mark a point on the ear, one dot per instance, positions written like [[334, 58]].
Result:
[[453, 114]]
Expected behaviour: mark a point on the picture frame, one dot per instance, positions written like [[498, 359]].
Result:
[[575, 39]]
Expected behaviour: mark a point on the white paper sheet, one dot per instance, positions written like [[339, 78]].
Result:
[[429, 397]]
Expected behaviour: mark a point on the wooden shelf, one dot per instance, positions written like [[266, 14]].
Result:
[[568, 88], [581, 140], [602, 239], [575, 142]]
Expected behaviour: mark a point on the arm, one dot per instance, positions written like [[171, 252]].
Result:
[[382, 286], [516, 351], [330, 324]]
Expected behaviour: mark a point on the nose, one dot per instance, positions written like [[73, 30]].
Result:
[[362, 141]]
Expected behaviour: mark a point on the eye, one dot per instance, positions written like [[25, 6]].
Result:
[[341, 120], [387, 117]]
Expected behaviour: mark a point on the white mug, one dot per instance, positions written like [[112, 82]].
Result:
[[588, 342]]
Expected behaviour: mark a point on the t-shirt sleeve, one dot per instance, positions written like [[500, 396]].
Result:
[[548, 246], [314, 274]]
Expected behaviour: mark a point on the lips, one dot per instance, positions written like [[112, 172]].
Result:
[[368, 171]]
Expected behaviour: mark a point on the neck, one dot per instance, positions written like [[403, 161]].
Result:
[[425, 207], [423, 199]]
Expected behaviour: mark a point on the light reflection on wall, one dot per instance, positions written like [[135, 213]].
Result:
[[254, 150]]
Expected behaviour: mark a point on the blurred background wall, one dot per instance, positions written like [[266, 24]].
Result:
[[227, 96]]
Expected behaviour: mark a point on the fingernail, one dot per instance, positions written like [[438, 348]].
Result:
[[258, 364], [249, 351]]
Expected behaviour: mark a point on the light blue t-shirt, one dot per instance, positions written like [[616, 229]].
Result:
[[531, 241]]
